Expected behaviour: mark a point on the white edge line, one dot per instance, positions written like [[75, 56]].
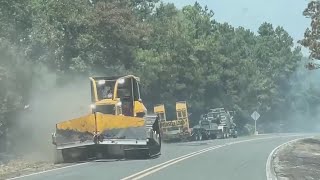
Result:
[[41, 172], [158, 167], [181, 159], [270, 173], [164, 163], [55, 169]]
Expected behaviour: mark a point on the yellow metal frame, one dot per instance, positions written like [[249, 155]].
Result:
[[94, 89], [160, 110], [181, 113], [98, 122]]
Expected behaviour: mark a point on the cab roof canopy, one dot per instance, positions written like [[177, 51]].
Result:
[[111, 78]]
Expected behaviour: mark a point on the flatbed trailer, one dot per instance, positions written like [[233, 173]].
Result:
[[174, 130]]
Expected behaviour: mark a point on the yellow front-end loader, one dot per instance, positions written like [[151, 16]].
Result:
[[118, 125]]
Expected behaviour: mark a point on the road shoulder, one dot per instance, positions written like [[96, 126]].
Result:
[[19, 166], [297, 160]]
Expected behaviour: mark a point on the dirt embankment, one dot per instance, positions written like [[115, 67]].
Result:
[[13, 166], [18, 167], [299, 160]]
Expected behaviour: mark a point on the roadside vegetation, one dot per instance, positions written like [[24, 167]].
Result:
[[180, 54]]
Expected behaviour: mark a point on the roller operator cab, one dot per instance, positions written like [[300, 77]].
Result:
[[117, 127]]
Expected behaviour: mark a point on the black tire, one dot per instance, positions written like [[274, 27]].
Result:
[[205, 136], [200, 136], [222, 135], [213, 136], [196, 137], [234, 136]]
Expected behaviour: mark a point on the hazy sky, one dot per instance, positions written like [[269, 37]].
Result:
[[252, 13]]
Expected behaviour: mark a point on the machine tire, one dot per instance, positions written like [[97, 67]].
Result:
[[234, 135], [222, 135], [200, 136], [196, 137]]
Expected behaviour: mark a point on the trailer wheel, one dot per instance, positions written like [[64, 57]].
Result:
[[213, 136], [234, 136], [200, 136], [196, 137]]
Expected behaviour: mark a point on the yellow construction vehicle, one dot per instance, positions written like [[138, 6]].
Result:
[[118, 125], [175, 130]]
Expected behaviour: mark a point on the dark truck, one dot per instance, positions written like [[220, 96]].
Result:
[[217, 123], [205, 129]]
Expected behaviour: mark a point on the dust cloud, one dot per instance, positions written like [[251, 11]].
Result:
[[49, 103]]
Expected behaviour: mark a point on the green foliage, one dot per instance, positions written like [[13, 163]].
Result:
[[179, 54], [311, 35]]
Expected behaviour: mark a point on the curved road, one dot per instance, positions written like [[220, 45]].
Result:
[[224, 159]]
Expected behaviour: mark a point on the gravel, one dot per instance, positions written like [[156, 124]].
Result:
[[298, 160], [16, 166]]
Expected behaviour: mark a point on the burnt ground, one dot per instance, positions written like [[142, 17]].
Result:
[[299, 160], [17, 166]]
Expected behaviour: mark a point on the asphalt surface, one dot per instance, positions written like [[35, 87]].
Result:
[[241, 158]]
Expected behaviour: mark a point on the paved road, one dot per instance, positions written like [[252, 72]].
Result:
[[241, 159]]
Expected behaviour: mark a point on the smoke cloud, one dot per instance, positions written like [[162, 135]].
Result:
[[49, 104]]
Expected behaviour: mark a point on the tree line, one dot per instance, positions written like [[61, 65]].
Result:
[[180, 54]]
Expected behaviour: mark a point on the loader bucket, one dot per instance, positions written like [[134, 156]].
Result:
[[108, 136]]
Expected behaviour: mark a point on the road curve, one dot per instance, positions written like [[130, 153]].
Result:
[[241, 158]]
